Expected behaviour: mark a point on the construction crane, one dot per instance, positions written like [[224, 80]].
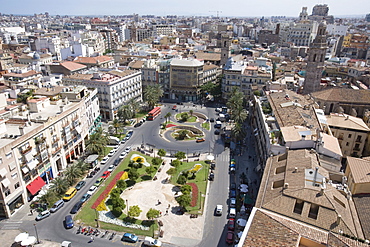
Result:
[[217, 11]]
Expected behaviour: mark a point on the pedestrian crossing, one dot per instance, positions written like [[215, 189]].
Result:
[[10, 225]]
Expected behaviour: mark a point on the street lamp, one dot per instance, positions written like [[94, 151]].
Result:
[[127, 206], [96, 218], [37, 235]]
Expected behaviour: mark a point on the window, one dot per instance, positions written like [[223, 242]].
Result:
[[280, 169], [16, 186], [9, 155], [314, 210], [278, 184], [349, 135], [298, 206], [14, 175], [1, 161], [7, 192], [347, 143]]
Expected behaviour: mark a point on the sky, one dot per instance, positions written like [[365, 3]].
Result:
[[236, 8]]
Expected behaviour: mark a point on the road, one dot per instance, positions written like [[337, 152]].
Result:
[[215, 227]]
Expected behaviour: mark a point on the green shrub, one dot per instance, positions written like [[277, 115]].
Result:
[[117, 211], [181, 179], [185, 189]]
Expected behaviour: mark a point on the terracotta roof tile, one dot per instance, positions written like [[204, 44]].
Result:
[[343, 95], [360, 169], [72, 66]]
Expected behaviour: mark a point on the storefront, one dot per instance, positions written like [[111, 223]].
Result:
[[35, 186], [14, 204]]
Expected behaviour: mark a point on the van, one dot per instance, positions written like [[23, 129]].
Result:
[[218, 124], [57, 206], [232, 213], [148, 241], [69, 194]]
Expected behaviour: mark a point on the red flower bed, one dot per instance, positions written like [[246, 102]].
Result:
[[107, 190], [194, 194], [170, 125]]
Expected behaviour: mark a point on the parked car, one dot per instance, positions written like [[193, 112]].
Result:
[[232, 193], [57, 206], [218, 210], [230, 237], [123, 155], [85, 197], [231, 224], [232, 202], [92, 190], [111, 153], [105, 174], [232, 213], [137, 124], [233, 186], [80, 185], [148, 241], [76, 207], [98, 182], [129, 237], [104, 160], [111, 168], [211, 176], [211, 119], [68, 221], [128, 149], [217, 131], [43, 215], [117, 161], [200, 139]]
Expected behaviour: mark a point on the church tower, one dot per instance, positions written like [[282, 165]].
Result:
[[225, 48], [315, 63]]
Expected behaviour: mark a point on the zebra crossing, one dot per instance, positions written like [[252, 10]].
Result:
[[10, 225]]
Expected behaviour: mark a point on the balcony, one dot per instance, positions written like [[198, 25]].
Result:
[[28, 149]]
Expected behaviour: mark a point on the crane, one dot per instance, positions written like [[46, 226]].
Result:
[[217, 11]]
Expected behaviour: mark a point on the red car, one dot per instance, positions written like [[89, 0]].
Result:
[[174, 107], [230, 237], [231, 224], [105, 174]]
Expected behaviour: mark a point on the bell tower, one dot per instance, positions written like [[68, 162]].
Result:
[[225, 48], [315, 62]]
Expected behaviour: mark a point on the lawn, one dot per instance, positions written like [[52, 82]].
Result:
[[200, 180], [191, 119], [206, 125], [87, 214]]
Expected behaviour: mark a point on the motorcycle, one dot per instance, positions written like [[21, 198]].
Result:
[[112, 236], [87, 230], [79, 230], [105, 234]]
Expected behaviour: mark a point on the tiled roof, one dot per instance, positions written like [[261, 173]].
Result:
[[71, 66], [138, 64], [23, 75], [122, 73], [347, 95], [208, 56], [209, 67], [93, 60], [362, 203], [360, 169], [49, 91], [36, 100], [346, 121]]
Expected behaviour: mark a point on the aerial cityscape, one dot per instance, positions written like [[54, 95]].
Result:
[[189, 125]]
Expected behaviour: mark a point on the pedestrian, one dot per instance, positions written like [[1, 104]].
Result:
[[31, 212], [167, 212], [92, 239], [169, 205]]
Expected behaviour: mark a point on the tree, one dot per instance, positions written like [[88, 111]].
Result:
[[237, 132], [72, 173], [82, 165], [180, 155], [134, 211], [134, 106], [156, 161], [181, 179], [185, 189], [176, 163], [182, 134], [168, 116], [184, 116], [152, 213], [97, 142], [124, 113], [184, 200], [118, 202], [152, 93], [239, 114], [150, 170], [171, 171], [121, 184], [117, 211], [191, 112], [161, 152], [117, 125], [59, 185], [133, 174]]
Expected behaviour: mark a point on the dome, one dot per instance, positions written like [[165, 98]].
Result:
[[36, 56]]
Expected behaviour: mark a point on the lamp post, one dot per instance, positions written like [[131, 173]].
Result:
[[96, 218], [127, 206], [37, 235]]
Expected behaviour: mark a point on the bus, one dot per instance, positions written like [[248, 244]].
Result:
[[153, 113]]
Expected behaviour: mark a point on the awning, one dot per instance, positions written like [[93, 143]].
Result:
[[78, 129], [3, 172], [32, 164], [5, 182], [25, 169], [12, 166], [29, 156], [35, 185]]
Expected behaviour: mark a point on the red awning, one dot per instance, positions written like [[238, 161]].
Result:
[[35, 185]]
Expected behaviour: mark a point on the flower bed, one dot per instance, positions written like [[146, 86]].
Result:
[[194, 194], [196, 168], [170, 125], [107, 190]]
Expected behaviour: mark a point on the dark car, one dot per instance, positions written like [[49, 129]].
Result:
[[217, 131], [233, 186], [211, 176], [116, 162], [230, 237], [85, 197], [232, 193], [128, 237], [211, 119], [137, 124], [76, 207], [68, 222], [231, 224], [80, 185]]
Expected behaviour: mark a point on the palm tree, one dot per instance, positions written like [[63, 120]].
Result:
[[235, 99], [116, 125], [152, 93], [124, 113], [97, 142], [237, 132], [239, 114], [59, 185], [134, 105], [167, 116], [72, 173], [82, 166]]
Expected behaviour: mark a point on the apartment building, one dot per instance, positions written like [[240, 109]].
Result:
[[99, 61], [115, 88], [21, 78], [39, 143], [352, 133], [358, 175]]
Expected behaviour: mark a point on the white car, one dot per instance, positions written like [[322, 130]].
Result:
[[111, 168], [104, 160], [232, 202], [111, 153], [219, 210], [92, 190], [128, 149], [123, 155]]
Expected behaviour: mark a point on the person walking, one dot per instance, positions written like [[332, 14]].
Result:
[[92, 239]]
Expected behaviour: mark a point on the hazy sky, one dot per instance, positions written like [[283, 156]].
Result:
[[182, 7]]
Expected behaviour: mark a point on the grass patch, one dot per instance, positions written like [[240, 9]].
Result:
[[206, 125], [200, 180], [87, 215], [191, 119]]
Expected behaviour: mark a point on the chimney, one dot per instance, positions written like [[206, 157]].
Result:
[[315, 176], [21, 130], [303, 137], [286, 185], [339, 217], [321, 191], [295, 169], [61, 108]]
